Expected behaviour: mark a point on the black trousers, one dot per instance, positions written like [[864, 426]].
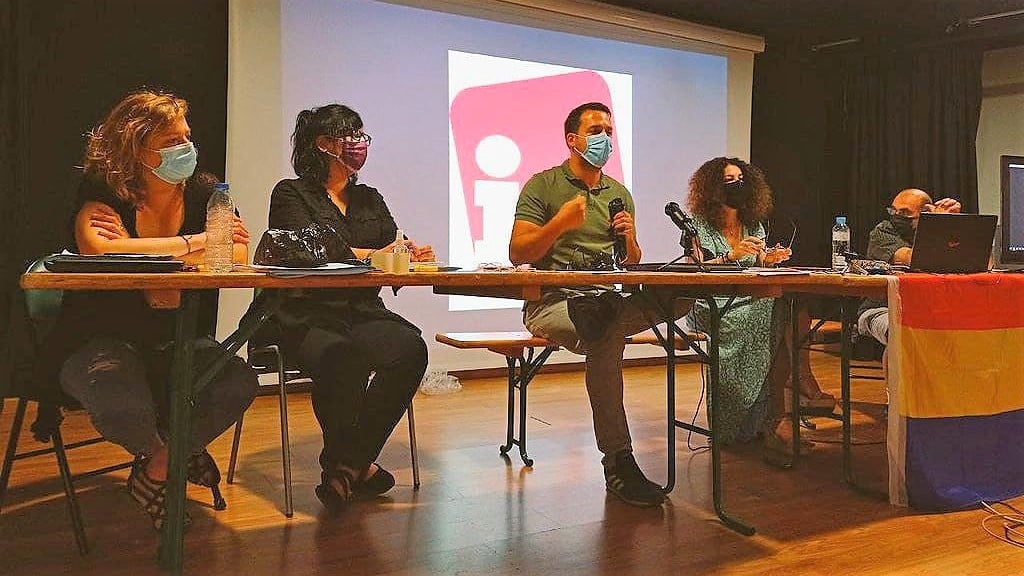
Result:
[[356, 413]]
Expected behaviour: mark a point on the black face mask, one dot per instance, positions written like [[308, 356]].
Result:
[[904, 225], [736, 194]]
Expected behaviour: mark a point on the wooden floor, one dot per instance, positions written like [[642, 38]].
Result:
[[478, 514]]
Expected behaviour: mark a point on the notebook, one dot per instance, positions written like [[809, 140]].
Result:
[[112, 263]]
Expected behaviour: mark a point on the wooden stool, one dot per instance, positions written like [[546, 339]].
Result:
[[523, 361], [525, 354]]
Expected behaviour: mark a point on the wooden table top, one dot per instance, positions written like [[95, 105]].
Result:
[[468, 282]]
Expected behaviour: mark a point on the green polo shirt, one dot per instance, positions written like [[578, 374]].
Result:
[[545, 193]]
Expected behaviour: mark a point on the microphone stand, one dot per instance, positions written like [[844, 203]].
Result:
[[687, 239]]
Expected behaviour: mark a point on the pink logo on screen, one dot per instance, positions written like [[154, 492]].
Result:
[[520, 122]]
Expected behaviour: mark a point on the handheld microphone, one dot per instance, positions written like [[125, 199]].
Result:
[[615, 205], [678, 217]]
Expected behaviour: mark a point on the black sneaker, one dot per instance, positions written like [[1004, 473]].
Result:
[[627, 481]]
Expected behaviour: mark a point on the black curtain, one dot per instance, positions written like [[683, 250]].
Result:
[[910, 120], [8, 178], [841, 133], [64, 64], [788, 141]]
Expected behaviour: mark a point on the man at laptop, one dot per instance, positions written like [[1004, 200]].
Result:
[[892, 241], [563, 222]]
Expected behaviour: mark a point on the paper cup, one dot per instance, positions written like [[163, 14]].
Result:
[[400, 263], [379, 260]]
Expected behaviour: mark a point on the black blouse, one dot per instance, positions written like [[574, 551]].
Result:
[[295, 204], [367, 223], [123, 315]]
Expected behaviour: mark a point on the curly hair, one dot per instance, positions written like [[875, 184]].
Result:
[[113, 148], [707, 196]]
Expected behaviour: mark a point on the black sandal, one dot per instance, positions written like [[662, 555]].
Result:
[[150, 494], [202, 470], [335, 497]]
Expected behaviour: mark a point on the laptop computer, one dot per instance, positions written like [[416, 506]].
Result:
[[953, 243]]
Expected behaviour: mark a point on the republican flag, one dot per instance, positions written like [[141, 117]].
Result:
[[956, 383]]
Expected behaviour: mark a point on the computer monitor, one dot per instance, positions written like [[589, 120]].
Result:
[[1011, 220]]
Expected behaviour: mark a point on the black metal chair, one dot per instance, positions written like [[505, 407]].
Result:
[[864, 350], [269, 359], [47, 429], [41, 307]]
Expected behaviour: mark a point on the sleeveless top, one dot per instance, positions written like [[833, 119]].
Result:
[[120, 314]]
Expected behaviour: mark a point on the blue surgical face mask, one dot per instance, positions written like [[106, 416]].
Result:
[[177, 163], [599, 148]]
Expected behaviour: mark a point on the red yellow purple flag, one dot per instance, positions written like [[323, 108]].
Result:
[[956, 361]]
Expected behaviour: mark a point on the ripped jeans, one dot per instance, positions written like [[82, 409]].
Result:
[[123, 391]]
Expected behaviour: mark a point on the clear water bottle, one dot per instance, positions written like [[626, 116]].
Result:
[[402, 255], [220, 212], [840, 244]]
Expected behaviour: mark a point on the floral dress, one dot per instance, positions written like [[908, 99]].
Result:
[[745, 347]]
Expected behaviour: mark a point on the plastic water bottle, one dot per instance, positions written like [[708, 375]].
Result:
[[220, 212], [840, 244], [402, 257]]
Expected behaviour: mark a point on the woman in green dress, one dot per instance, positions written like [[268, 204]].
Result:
[[730, 199]]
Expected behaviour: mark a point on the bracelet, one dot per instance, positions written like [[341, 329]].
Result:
[[188, 245], [726, 259]]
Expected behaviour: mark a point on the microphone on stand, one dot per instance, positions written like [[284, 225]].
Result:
[[678, 217], [688, 237]]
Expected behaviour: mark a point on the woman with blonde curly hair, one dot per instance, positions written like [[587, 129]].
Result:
[[730, 200], [111, 350]]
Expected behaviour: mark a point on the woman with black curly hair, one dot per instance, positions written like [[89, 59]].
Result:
[[730, 199]]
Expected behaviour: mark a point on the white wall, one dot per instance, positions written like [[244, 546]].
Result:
[[256, 140], [258, 134], [1001, 128], [741, 88]]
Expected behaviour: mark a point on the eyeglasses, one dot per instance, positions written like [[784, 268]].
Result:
[[792, 238], [355, 138], [904, 212], [502, 267]]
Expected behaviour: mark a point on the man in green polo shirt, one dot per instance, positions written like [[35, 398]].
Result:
[[563, 223]]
